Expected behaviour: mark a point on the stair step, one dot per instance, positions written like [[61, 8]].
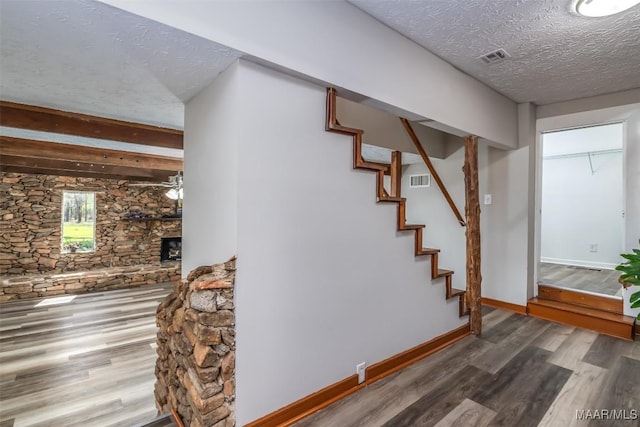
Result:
[[372, 166], [428, 251], [442, 272], [599, 302], [605, 322], [411, 226], [389, 199], [456, 292]]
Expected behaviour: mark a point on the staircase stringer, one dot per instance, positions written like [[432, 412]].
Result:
[[382, 196]]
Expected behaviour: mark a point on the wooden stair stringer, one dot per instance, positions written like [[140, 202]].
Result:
[[333, 125]]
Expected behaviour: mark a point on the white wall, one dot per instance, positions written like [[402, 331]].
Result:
[[428, 206], [583, 140], [504, 224], [581, 207], [632, 183], [528, 136], [209, 226], [336, 43], [324, 279], [593, 103], [506, 242]]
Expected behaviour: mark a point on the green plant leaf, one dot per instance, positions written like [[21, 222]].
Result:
[[631, 274], [629, 270], [625, 276]]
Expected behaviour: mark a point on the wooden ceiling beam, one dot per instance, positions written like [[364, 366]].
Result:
[[49, 120], [71, 168], [80, 174], [19, 147]]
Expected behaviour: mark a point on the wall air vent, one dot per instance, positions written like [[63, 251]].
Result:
[[495, 56], [417, 181]]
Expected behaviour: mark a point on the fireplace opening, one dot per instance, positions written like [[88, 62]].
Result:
[[171, 249]]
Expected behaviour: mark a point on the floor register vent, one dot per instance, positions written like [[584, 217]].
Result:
[[495, 56]]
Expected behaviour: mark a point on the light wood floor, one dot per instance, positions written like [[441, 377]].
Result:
[[89, 362], [522, 372], [600, 281]]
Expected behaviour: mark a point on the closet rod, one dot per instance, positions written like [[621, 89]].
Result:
[[586, 153]]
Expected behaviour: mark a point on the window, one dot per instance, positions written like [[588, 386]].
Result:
[[78, 221]]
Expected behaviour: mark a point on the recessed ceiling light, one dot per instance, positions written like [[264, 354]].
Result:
[[598, 8]]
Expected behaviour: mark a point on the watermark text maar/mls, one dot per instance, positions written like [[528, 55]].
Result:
[[607, 414]]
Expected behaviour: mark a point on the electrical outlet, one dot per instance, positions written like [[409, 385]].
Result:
[[360, 370], [593, 247]]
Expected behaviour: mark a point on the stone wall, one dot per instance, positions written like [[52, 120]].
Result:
[[31, 212], [103, 279], [196, 348]]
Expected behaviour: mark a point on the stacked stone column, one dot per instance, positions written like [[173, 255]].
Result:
[[196, 348]]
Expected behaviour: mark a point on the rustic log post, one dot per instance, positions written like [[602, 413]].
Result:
[[472, 212]]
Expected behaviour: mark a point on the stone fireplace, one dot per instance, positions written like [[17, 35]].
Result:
[[170, 249], [127, 249], [31, 213]]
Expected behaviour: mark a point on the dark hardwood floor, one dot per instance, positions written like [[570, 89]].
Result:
[[523, 371], [89, 362]]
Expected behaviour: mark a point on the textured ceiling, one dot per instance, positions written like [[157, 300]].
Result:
[[556, 55], [88, 57], [91, 58]]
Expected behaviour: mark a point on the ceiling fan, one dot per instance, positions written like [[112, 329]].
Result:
[[174, 184]]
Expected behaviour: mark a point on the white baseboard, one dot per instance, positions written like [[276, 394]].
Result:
[[588, 264]]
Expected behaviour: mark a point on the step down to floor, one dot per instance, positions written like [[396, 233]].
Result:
[[599, 302], [616, 325]]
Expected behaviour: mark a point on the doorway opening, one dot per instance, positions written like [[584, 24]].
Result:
[[582, 209]]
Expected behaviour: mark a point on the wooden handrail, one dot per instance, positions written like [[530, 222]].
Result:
[[432, 169]]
